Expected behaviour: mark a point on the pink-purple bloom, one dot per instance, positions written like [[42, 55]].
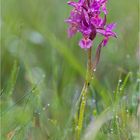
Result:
[[86, 18]]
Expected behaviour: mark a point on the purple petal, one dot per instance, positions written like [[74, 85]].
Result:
[[81, 2], [95, 7], [86, 17], [72, 3], [101, 31], [102, 1], [104, 9], [87, 32], [111, 26], [72, 30], [76, 4], [85, 43], [110, 33], [69, 21], [105, 41]]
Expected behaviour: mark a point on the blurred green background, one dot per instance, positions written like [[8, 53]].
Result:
[[43, 71]]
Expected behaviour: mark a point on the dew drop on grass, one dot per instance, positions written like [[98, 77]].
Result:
[[77, 127], [45, 107], [94, 70], [83, 98], [120, 80], [111, 130]]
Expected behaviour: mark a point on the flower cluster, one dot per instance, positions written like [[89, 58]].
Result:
[[86, 18]]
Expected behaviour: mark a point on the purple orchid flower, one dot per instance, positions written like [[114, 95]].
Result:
[[86, 19]]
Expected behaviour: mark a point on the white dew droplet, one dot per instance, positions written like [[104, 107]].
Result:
[[77, 127], [83, 98], [48, 104], [111, 130], [94, 70], [120, 81]]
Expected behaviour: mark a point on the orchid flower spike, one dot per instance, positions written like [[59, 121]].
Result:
[[85, 18]]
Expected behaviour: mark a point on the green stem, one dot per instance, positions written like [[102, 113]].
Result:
[[84, 95], [91, 68]]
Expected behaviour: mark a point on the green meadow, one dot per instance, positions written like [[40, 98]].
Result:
[[43, 72]]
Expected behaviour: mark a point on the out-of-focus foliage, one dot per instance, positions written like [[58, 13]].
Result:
[[43, 72]]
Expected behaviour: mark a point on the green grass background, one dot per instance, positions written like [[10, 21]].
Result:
[[42, 74]]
